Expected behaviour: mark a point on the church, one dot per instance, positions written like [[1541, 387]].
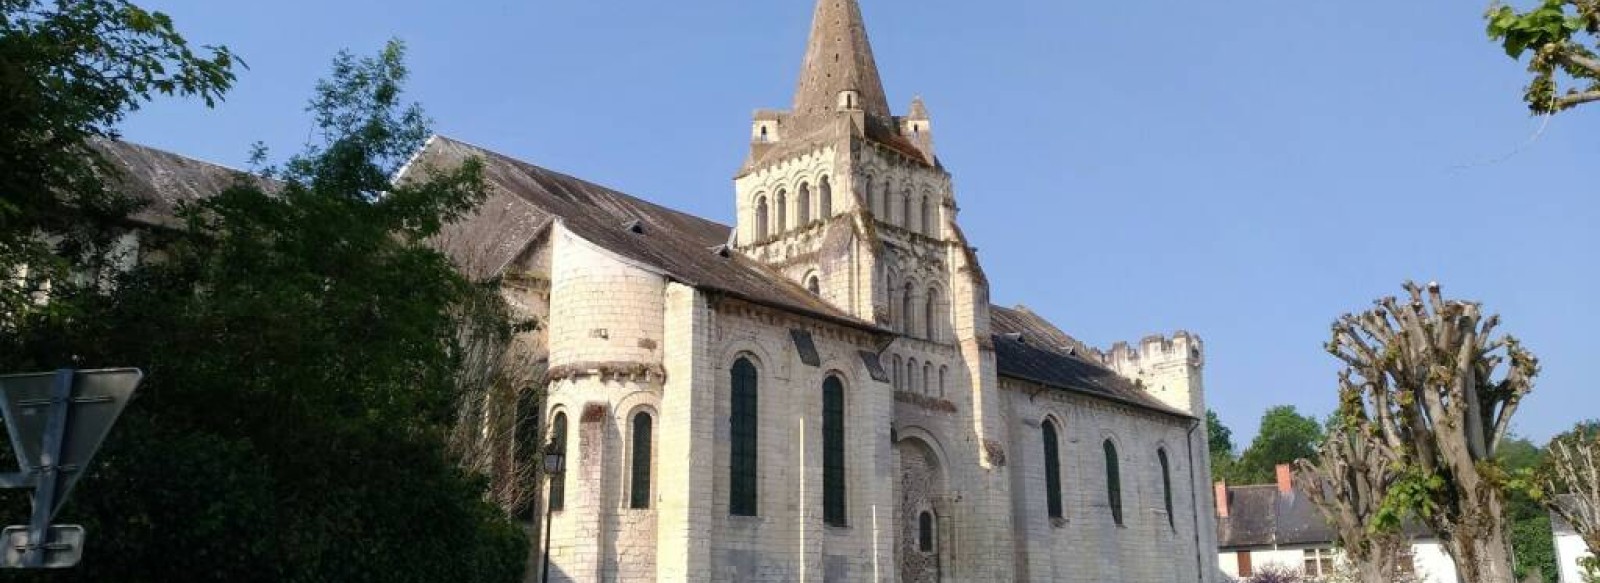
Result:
[[823, 390]]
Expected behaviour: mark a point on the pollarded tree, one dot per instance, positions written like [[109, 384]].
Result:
[[1564, 36], [1569, 481], [1427, 376], [1348, 481]]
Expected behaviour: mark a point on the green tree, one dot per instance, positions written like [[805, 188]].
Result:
[[1220, 439], [1562, 37], [1285, 436], [69, 72], [1531, 542], [301, 346]]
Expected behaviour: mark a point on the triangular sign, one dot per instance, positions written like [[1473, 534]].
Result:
[[97, 399]]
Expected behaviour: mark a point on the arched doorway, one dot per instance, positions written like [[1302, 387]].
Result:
[[922, 519]]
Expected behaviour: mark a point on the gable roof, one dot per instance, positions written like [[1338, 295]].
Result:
[[525, 199], [166, 181], [1030, 348], [1262, 516]]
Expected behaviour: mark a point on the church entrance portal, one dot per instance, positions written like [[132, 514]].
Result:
[[921, 519]]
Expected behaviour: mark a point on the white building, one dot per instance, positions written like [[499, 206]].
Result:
[[1276, 525], [1570, 548]]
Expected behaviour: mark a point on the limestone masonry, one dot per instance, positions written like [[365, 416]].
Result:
[[823, 391]]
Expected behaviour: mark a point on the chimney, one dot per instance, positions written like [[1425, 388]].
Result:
[[1285, 479], [1222, 499]]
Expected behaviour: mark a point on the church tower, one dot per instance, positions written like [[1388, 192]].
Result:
[[848, 199]]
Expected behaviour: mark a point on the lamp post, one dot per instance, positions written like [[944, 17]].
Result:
[[555, 464]]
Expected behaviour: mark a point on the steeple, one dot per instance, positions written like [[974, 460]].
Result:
[[839, 71]]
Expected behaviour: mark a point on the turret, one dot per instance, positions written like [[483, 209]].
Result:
[[1168, 368], [918, 128]]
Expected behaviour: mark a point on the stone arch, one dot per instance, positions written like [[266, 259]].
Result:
[[927, 378], [869, 198], [762, 222], [923, 488], [824, 198], [639, 487], [781, 222]]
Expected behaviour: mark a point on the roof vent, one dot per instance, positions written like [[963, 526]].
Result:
[[723, 251], [1072, 351], [635, 226], [1014, 337]]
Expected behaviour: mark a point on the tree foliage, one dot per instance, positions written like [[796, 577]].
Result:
[[1285, 436], [1220, 441], [69, 72], [302, 350], [1562, 37], [1568, 482], [1424, 378]]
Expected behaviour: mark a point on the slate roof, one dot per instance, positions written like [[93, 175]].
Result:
[[527, 198], [1261, 516], [1030, 348], [165, 180], [839, 58]]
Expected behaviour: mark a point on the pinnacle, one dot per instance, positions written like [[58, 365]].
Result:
[[839, 58]]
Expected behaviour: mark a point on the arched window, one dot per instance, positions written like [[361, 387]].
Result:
[[825, 191], [899, 381], [911, 376], [927, 217], [763, 133], [814, 285], [927, 378], [782, 226], [1052, 469], [882, 203], [906, 311], [803, 206], [1166, 486], [905, 208], [930, 315], [1113, 482], [558, 485], [944, 371], [761, 219], [639, 490], [869, 196], [833, 475], [742, 425], [925, 532]]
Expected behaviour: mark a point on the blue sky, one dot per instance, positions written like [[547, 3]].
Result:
[[1247, 170]]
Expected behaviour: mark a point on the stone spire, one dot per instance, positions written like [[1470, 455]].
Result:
[[839, 59]]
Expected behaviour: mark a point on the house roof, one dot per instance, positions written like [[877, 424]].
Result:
[[1030, 348], [1262, 516], [526, 198]]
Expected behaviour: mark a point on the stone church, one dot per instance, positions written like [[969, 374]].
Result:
[[823, 391]]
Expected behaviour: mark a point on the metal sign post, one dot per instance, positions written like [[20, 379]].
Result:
[[56, 422]]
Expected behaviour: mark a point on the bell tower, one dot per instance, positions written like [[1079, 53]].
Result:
[[846, 198]]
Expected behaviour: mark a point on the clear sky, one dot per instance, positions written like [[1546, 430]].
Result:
[[1246, 170]]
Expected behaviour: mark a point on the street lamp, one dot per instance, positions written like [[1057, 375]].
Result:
[[555, 464]]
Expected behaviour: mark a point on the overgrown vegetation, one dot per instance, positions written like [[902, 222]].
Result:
[[303, 344]]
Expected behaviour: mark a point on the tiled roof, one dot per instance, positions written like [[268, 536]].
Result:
[[1029, 348], [526, 198], [1261, 516], [166, 181]]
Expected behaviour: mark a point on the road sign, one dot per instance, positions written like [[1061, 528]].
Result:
[[62, 548], [96, 398]]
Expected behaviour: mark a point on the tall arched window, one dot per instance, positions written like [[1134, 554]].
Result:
[[906, 311], [911, 376], [558, 486], [944, 371], [884, 200], [762, 225], [1052, 469], [833, 474], [899, 380], [930, 315], [1113, 482], [905, 209], [927, 216], [742, 426], [803, 206], [825, 192], [925, 532], [814, 285], [1166, 485], [927, 378], [782, 226], [639, 489]]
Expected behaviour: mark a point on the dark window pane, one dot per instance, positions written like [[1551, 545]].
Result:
[[1052, 469], [833, 475], [742, 448], [558, 484], [1113, 482], [1166, 486], [925, 532], [640, 493]]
